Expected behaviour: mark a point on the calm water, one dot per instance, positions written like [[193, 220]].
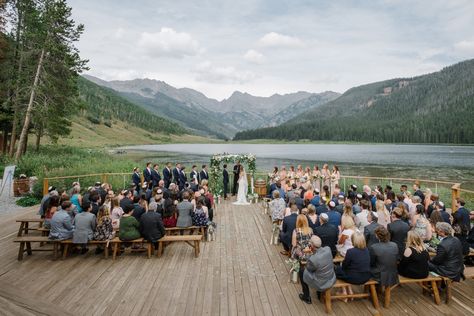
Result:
[[418, 161]]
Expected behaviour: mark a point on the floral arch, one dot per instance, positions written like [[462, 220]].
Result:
[[215, 170]]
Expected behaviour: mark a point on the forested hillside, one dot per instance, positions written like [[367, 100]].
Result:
[[433, 108], [103, 106]]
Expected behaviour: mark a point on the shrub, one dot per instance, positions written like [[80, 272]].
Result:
[[28, 200], [93, 119]]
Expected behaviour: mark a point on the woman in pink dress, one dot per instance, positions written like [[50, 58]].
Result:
[[316, 175], [292, 174], [326, 175], [335, 176]]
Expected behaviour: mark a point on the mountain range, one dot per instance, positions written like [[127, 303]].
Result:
[[431, 108], [206, 116]]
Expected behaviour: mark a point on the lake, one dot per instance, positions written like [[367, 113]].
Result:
[[442, 162]]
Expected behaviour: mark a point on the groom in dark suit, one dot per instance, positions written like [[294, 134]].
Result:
[[236, 177], [225, 176]]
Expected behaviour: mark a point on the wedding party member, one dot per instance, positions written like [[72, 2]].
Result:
[[383, 258], [84, 227], [316, 176], [136, 180], [183, 179], [175, 173], [155, 176], [194, 175], [318, 272], [414, 261], [398, 229], [326, 175], [167, 175], [62, 227], [203, 175], [448, 261], [236, 172], [327, 232], [147, 174], [225, 181], [335, 176]]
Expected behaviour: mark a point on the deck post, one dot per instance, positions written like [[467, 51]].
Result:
[[455, 193], [103, 178], [45, 186]]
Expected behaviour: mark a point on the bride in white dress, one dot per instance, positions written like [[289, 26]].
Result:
[[243, 188]]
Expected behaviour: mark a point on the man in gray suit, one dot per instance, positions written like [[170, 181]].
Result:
[[448, 261], [369, 230], [319, 272]]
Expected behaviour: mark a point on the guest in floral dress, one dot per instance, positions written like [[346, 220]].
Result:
[[301, 238], [104, 229]]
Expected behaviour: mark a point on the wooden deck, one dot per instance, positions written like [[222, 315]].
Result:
[[239, 273]]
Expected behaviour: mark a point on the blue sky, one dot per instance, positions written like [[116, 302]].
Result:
[[267, 47]]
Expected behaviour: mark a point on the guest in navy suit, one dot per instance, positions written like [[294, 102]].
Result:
[[147, 174], [289, 225], [167, 178], [155, 176]]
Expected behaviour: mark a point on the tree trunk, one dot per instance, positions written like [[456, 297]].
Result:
[[29, 109], [39, 133]]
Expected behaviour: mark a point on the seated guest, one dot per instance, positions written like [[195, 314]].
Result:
[[421, 225], [289, 224], [398, 229], [117, 213], [334, 216], [129, 226], [347, 211], [355, 269], [84, 223], [316, 200], [322, 208], [383, 258], [462, 224], [61, 223], [414, 262], [138, 209], [185, 210], [369, 230], [104, 229], [300, 239], [448, 261], [200, 215], [345, 242], [319, 271], [382, 212], [361, 217], [127, 199], [277, 206], [50, 210], [151, 227], [312, 217], [439, 206], [292, 207], [327, 232], [340, 204], [76, 198]]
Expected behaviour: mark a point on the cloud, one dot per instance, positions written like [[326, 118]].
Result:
[[279, 40], [465, 47], [207, 72], [167, 42], [254, 57]]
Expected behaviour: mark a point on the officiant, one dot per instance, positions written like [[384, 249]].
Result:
[[236, 173], [225, 180]]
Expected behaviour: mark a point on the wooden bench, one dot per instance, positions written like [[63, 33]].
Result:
[[432, 280], [68, 242], [25, 245], [469, 272], [370, 291], [338, 259], [117, 242], [25, 225], [200, 230], [192, 240]]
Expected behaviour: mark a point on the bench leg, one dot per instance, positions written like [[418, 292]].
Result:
[[20, 231], [149, 249], [28, 248], [26, 228], [65, 250], [55, 250], [327, 301], [375, 298], [196, 249], [114, 254], [387, 294], [160, 249], [21, 251], [434, 287], [448, 290]]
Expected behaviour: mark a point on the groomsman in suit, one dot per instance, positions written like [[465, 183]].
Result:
[[147, 174], [136, 180], [236, 177], [155, 176], [167, 177], [176, 173], [194, 176], [182, 178], [225, 176], [203, 174]]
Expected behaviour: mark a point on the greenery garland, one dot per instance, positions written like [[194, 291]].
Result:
[[215, 169]]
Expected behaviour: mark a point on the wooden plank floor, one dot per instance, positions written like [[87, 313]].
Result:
[[239, 273]]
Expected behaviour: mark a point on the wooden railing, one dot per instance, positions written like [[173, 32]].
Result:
[[447, 188]]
